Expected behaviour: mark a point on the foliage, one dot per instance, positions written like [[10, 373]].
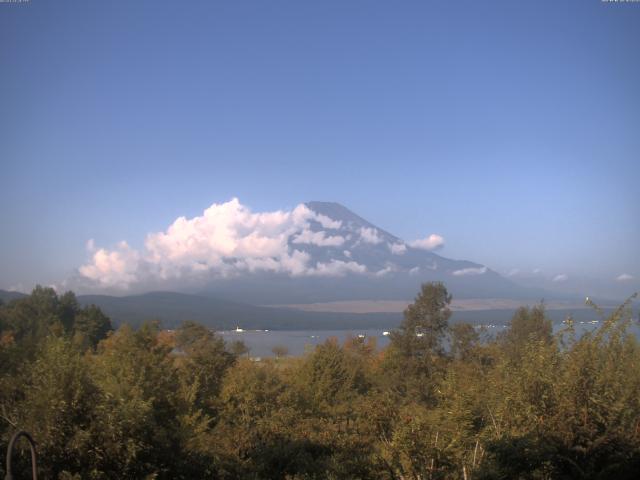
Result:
[[414, 360], [438, 403]]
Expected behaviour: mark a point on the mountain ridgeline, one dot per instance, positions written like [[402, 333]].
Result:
[[385, 268]]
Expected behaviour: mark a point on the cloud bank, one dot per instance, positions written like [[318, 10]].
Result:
[[227, 239]]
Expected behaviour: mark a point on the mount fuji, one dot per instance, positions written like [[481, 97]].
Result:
[[373, 263]]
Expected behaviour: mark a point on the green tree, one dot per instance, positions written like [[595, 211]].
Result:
[[90, 326], [56, 405], [238, 348], [330, 379], [527, 325], [203, 363], [414, 359], [464, 341], [137, 426]]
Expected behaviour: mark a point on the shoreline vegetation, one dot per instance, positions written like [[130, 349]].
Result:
[[438, 402]]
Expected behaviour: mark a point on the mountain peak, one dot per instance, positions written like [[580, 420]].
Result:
[[333, 210], [337, 211]]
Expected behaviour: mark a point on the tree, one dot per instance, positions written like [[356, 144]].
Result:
[[90, 326], [203, 363], [44, 313], [280, 351], [415, 355], [68, 308], [527, 325], [239, 348], [137, 427], [57, 408], [425, 322], [464, 339], [32, 318], [329, 378]]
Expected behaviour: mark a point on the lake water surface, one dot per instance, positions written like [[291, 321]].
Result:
[[261, 342]]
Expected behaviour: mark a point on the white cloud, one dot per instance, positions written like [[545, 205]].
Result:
[[225, 240], [327, 222], [116, 268], [388, 269], [347, 253], [470, 271], [513, 272], [318, 238], [414, 271], [562, 277], [337, 268], [432, 242], [91, 245], [397, 248], [370, 235], [625, 277]]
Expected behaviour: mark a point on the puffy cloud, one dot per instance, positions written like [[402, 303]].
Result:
[[319, 238], [114, 268], [414, 271], [225, 240], [327, 222], [432, 242], [513, 272], [625, 277], [397, 248], [336, 268], [470, 271], [387, 269], [370, 235], [562, 277]]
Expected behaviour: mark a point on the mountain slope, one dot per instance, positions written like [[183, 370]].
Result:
[[362, 261], [6, 296]]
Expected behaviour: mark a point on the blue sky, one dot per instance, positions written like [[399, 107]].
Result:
[[510, 128]]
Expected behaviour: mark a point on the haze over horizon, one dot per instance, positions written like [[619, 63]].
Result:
[[510, 134]]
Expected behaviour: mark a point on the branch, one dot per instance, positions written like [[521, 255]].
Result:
[[5, 417]]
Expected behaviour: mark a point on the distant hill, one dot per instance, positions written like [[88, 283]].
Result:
[[172, 308], [7, 296]]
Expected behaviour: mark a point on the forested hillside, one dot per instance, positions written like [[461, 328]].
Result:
[[149, 403]]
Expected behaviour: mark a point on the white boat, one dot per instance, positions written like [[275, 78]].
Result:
[[385, 333], [239, 330]]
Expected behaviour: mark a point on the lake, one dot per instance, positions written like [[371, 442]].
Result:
[[261, 342]]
